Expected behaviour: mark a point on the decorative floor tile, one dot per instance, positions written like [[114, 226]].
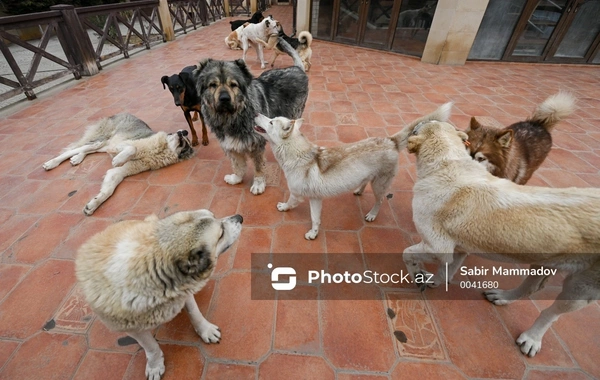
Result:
[[416, 334]]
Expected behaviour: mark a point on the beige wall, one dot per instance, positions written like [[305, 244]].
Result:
[[453, 30]]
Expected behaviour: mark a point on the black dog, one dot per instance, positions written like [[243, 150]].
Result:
[[183, 88], [255, 19]]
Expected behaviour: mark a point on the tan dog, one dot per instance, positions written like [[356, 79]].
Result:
[[458, 204], [515, 152], [137, 275], [233, 39], [317, 172]]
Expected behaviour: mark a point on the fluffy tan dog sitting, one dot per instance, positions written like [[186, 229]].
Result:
[[139, 274], [458, 204]]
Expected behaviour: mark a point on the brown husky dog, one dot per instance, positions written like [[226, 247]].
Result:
[[516, 151]]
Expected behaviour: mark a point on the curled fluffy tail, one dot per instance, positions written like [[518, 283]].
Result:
[[553, 110], [291, 52], [305, 38], [440, 114]]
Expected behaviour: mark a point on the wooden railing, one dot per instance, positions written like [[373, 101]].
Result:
[[75, 41]]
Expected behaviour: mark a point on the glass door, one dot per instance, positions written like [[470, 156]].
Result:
[[581, 37], [556, 30], [349, 21]]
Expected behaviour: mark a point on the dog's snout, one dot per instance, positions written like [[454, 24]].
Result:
[[238, 218], [224, 96], [182, 132]]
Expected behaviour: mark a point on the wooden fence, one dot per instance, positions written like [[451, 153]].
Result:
[[87, 36]]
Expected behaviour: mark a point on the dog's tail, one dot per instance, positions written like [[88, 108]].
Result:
[[305, 38], [291, 52], [440, 114], [553, 110]]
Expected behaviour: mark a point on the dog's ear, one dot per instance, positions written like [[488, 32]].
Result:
[[185, 77], [414, 142], [505, 138], [294, 124], [164, 80], [201, 65], [267, 23], [474, 124], [197, 262], [244, 69]]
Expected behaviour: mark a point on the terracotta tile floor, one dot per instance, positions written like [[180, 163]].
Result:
[[354, 93]]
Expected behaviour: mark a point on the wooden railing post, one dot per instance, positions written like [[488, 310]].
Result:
[[165, 20], [75, 40]]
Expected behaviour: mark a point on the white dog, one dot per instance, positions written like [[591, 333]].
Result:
[[458, 204], [134, 146], [316, 172], [251, 34]]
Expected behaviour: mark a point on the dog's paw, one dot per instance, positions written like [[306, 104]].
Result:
[[370, 217], [497, 297], [311, 234], [117, 161], [90, 208], [258, 186], [263, 66], [155, 368], [209, 333], [282, 206], [529, 345], [76, 159], [233, 179], [49, 165]]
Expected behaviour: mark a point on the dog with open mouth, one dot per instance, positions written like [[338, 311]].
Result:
[[317, 172]]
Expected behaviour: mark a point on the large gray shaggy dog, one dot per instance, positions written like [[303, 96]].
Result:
[[232, 97]]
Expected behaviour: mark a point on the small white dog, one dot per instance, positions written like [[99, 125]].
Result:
[[134, 146], [317, 172], [256, 35]]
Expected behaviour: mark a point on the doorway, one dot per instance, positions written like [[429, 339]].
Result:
[[556, 31], [397, 25]]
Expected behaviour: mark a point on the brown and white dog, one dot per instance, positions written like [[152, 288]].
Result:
[[458, 204], [515, 152], [233, 39]]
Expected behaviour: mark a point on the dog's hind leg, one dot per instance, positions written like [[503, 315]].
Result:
[[530, 285], [259, 183], [579, 290], [315, 217], [155, 361], [188, 118], [379, 185], [238, 164], [361, 188], [206, 330], [76, 155]]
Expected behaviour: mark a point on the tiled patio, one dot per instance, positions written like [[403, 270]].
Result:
[[354, 93]]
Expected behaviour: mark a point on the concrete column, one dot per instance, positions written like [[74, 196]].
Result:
[[453, 30], [302, 16], [165, 20]]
